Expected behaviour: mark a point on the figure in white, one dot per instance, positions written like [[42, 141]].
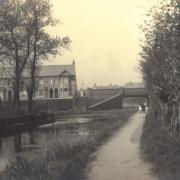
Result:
[[140, 109]]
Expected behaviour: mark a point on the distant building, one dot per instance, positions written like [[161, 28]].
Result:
[[110, 86], [54, 81], [103, 92], [134, 85]]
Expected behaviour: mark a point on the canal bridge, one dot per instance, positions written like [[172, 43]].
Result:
[[115, 99]]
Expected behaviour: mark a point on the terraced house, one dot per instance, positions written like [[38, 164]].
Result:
[[54, 82]]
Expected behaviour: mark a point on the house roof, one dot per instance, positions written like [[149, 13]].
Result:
[[46, 70], [56, 70]]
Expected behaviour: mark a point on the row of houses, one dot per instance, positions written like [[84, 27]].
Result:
[[54, 82]]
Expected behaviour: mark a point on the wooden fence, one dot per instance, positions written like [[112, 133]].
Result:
[[41, 105]]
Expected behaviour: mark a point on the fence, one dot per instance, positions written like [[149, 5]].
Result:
[[41, 105]]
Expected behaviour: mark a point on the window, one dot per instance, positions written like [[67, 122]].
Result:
[[56, 93], [41, 81], [51, 93], [66, 80], [51, 81], [46, 91], [56, 81], [23, 94], [9, 95], [66, 91], [41, 92], [9, 82], [46, 81]]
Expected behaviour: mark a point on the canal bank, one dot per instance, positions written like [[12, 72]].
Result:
[[60, 151], [160, 150]]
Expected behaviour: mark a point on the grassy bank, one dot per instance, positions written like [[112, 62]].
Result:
[[160, 150], [66, 158]]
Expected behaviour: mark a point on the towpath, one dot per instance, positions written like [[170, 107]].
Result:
[[120, 158]]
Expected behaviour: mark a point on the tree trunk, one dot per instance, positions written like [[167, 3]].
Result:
[[30, 101], [32, 87], [33, 65], [32, 76], [16, 102]]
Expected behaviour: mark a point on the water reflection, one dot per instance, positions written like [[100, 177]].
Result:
[[31, 138], [1, 143], [17, 143], [39, 138]]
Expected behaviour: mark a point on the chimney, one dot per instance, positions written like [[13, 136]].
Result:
[[73, 62]]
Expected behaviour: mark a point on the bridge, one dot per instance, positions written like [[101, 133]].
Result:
[[135, 92], [115, 99]]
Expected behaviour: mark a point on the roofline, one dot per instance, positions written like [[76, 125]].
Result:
[[61, 74], [58, 65], [106, 88], [39, 76]]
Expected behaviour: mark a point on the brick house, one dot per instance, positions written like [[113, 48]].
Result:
[[54, 82]]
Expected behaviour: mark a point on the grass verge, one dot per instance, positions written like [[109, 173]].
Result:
[[67, 158], [160, 150]]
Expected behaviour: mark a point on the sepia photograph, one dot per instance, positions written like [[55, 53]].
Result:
[[89, 90]]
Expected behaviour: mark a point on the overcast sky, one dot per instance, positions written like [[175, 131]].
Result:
[[105, 38]]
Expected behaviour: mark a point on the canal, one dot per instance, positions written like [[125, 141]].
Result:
[[39, 139]]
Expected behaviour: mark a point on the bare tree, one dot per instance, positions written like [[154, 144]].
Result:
[[15, 39], [43, 44], [24, 41]]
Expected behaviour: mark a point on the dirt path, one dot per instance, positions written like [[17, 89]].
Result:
[[120, 158]]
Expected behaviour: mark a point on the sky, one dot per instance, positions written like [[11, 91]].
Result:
[[105, 39]]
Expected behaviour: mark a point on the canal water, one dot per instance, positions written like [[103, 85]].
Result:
[[39, 138]]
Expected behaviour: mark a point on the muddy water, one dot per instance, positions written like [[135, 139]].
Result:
[[39, 138], [120, 159]]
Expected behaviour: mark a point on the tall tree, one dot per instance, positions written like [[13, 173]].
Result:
[[24, 41], [43, 44], [15, 39], [160, 59]]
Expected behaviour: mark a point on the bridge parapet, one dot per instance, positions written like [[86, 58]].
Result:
[[135, 92]]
